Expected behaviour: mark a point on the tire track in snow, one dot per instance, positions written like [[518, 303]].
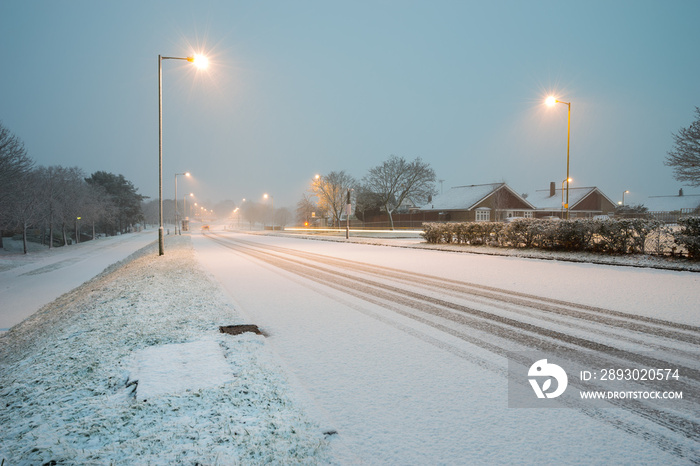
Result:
[[460, 320]]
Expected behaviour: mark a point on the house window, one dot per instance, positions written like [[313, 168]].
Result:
[[527, 214], [483, 215]]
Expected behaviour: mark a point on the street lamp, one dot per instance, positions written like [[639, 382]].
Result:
[[626, 191], [176, 175], [77, 230], [551, 101], [184, 210], [200, 62], [272, 203]]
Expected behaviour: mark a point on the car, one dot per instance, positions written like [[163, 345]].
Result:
[[205, 227]]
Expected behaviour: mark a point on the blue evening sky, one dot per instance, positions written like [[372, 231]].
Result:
[[297, 88]]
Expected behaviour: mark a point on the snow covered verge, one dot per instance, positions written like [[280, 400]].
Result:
[[633, 260], [93, 377]]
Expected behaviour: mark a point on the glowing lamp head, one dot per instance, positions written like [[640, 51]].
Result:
[[200, 61], [551, 100]]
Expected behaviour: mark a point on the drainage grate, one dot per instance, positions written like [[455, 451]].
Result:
[[238, 329]]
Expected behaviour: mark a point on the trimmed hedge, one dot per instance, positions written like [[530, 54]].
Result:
[[624, 236]]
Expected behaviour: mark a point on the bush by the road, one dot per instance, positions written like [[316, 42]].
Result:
[[624, 236], [689, 236]]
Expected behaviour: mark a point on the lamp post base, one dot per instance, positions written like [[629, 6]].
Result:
[[161, 242]]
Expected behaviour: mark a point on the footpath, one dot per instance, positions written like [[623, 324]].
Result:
[[131, 368]]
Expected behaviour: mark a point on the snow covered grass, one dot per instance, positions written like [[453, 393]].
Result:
[[69, 376]]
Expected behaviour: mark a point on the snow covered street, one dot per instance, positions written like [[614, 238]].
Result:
[[406, 353]]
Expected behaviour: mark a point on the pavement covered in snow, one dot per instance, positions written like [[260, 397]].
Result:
[[130, 368], [28, 282]]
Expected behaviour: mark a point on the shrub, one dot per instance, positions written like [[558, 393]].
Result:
[[431, 232], [608, 236], [689, 236], [573, 235], [519, 233]]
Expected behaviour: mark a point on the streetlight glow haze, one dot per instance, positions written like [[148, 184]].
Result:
[[200, 61]]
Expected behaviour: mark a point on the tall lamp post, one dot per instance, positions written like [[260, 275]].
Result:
[[551, 101], [176, 175], [626, 191], [200, 62]]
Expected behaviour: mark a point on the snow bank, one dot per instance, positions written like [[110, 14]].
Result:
[[131, 368]]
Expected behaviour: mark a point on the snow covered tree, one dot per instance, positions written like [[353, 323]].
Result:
[[123, 195], [685, 156], [397, 180]]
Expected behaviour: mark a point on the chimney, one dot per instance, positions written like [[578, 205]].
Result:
[[552, 189]]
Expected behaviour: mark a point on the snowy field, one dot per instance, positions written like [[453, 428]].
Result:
[[130, 368], [370, 355]]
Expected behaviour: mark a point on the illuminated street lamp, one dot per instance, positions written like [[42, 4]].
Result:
[[176, 175], [184, 207], [551, 101], [77, 230], [626, 191], [272, 203], [200, 62]]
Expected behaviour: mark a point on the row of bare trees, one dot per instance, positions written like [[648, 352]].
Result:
[[57, 202], [391, 185]]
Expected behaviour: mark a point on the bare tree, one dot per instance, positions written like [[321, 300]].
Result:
[[15, 164], [685, 156], [50, 179], [397, 180], [282, 216], [24, 208], [306, 209], [254, 212], [331, 191]]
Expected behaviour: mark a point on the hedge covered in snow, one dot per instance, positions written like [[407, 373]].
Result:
[[688, 236], [624, 236]]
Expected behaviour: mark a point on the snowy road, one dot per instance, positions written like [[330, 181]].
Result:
[[414, 356], [46, 275]]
